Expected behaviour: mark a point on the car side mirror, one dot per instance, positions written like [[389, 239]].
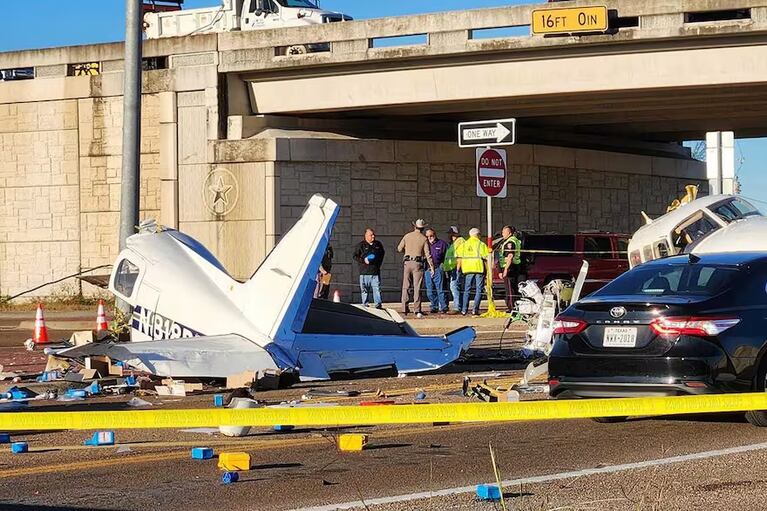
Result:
[[258, 12]]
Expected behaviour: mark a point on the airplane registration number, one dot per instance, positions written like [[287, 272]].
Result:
[[620, 337]]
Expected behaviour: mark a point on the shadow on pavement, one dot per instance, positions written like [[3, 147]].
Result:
[[39, 507], [734, 417]]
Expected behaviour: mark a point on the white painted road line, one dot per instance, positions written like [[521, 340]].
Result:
[[541, 479]]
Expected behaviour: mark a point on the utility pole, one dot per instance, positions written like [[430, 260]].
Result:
[[130, 188], [129, 204]]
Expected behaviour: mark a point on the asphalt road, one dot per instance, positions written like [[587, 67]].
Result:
[[304, 469], [440, 464]]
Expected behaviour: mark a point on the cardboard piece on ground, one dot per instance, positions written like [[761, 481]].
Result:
[[81, 338], [181, 386], [238, 381], [103, 365], [56, 364], [90, 374], [176, 389]]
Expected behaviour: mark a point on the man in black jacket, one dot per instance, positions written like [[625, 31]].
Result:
[[369, 256]]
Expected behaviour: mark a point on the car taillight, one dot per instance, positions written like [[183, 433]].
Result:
[[696, 326], [565, 325]]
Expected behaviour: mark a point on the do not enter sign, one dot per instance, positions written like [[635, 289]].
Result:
[[491, 173]]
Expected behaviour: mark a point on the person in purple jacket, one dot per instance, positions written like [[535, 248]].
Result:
[[434, 279]]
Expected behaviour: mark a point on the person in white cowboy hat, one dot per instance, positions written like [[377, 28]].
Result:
[[416, 255]]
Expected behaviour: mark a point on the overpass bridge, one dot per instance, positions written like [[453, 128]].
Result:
[[372, 124], [665, 71]]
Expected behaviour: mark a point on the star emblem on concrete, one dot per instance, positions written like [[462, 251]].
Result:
[[220, 192]]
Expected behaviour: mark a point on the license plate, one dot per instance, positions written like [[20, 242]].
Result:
[[620, 337]]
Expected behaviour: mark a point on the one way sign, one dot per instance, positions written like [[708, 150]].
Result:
[[487, 133]]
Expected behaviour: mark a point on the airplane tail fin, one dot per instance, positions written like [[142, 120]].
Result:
[[277, 298]]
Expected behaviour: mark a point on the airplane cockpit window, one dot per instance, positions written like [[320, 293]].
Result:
[[692, 229], [734, 209], [726, 213], [125, 280], [744, 208]]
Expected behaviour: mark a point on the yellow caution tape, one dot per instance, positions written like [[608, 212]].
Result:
[[391, 414]]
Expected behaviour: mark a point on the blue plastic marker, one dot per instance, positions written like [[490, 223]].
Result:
[[218, 400], [230, 477], [488, 492], [101, 438], [19, 447], [93, 388], [17, 393], [5, 438], [283, 428], [202, 453]]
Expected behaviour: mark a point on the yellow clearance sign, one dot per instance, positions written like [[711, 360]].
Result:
[[568, 21]]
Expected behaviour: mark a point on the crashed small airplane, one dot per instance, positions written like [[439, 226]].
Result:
[[717, 223], [192, 319]]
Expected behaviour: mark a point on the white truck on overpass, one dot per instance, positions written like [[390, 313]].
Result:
[[240, 15]]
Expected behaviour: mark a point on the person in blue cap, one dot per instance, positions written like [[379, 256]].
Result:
[[369, 256]]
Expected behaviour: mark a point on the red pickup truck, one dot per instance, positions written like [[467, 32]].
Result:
[[547, 257]]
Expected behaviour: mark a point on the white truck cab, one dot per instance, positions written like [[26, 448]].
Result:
[[238, 15]]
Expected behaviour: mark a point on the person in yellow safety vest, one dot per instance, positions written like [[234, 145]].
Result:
[[450, 265], [509, 262], [472, 257]]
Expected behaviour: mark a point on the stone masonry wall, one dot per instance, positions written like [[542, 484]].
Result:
[[60, 164], [387, 184]]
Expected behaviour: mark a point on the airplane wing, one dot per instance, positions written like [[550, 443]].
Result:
[[202, 357]]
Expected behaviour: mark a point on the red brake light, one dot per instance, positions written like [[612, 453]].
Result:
[[695, 326], [565, 325]]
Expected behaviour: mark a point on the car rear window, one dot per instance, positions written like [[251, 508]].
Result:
[[672, 279], [562, 243]]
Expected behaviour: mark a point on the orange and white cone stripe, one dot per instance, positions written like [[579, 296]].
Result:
[[101, 318], [41, 332]]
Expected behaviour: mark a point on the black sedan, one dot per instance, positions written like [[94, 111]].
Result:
[[682, 325]]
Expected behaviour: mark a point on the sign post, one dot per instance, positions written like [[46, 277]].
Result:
[[491, 182], [491, 166]]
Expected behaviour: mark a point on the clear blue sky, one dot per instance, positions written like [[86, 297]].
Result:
[[44, 23]]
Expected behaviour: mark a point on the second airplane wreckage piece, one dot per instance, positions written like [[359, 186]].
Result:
[[192, 319]]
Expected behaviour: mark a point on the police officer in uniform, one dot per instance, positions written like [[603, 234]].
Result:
[[510, 261]]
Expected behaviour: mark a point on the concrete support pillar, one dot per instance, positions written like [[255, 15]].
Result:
[[661, 21], [272, 204], [169, 159], [720, 162], [454, 38], [759, 15], [354, 46]]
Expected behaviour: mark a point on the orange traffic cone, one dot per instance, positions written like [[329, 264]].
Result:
[[101, 318], [337, 296], [41, 332]]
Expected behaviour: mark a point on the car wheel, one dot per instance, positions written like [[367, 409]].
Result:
[[759, 417], [298, 49], [609, 420]]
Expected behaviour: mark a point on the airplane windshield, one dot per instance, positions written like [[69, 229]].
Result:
[[306, 4], [734, 209]]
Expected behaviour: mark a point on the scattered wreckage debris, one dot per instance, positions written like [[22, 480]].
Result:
[[485, 392], [271, 322]]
